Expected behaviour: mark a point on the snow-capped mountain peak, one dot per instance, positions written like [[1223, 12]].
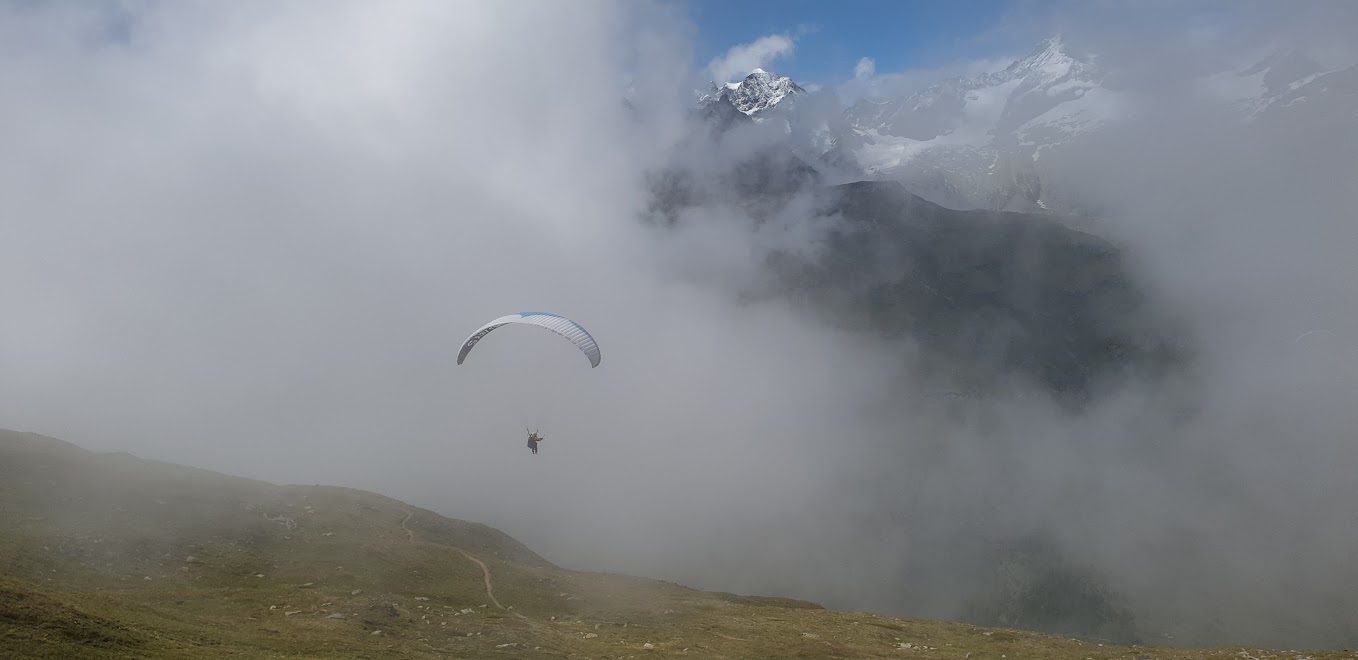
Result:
[[758, 92], [988, 105], [981, 140], [1046, 63], [1257, 86], [988, 130]]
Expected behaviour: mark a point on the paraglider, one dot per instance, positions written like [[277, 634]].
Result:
[[561, 325], [1309, 333], [1329, 355]]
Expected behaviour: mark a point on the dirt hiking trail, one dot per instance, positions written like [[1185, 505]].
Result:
[[485, 570]]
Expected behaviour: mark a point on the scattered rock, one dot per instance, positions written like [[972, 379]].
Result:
[[810, 635], [468, 610], [591, 635], [507, 646], [328, 534], [259, 575], [308, 584], [355, 592], [336, 615], [421, 598], [376, 632], [147, 578], [292, 612], [192, 560], [648, 646]]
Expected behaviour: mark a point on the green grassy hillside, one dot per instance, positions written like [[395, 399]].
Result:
[[111, 556]]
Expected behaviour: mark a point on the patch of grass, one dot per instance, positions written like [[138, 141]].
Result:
[[767, 601], [32, 618]]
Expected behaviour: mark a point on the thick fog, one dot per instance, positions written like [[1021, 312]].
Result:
[[251, 237]]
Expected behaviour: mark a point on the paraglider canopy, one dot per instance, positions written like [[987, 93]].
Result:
[[561, 325]]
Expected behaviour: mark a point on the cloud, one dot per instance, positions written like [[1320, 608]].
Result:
[[865, 68], [868, 83], [741, 60]]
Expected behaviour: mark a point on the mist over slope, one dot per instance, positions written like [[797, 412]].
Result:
[[250, 237], [114, 556]]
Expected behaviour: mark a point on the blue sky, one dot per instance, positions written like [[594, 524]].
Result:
[[831, 37]]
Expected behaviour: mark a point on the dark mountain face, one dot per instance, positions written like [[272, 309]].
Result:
[[728, 158], [986, 293], [722, 116]]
